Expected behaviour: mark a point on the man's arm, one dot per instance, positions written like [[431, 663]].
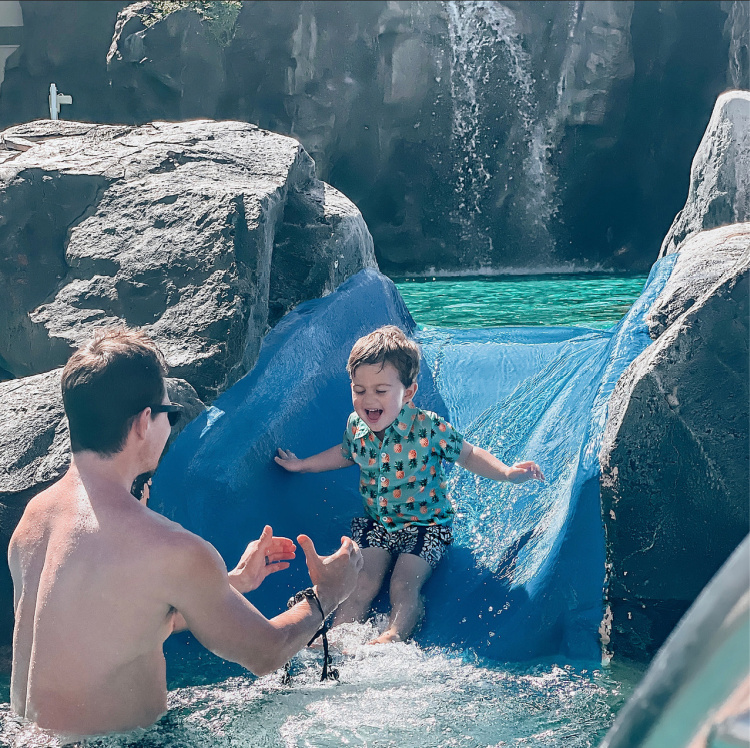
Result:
[[227, 624], [480, 462], [262, 557], [331, 459]]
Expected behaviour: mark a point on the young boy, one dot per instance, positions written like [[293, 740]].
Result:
[[399, 449]]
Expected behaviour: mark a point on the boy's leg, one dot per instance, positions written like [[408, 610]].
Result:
[[356, 607], [407, 608]]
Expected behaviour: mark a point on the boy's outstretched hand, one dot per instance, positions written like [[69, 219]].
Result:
[[523, 471], [288, 460]]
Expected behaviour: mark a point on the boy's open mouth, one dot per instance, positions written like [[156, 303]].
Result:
[[373, 415]]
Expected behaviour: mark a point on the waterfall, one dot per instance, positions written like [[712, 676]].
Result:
[[484, 39]]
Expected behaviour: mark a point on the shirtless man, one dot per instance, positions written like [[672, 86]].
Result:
[[101, 580]]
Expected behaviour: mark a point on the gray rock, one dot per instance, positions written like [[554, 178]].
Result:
[[720, 176], [674, 460], [703, 260], [184, 229]]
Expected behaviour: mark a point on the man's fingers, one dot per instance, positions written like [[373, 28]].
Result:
[[273, 567], [274, 558]]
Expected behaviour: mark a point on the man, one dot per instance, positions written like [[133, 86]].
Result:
[[101, 581]]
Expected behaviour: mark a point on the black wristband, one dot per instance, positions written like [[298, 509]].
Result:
[[308, 594]]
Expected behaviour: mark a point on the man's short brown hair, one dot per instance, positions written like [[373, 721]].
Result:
[[106, 383], [387, 345]]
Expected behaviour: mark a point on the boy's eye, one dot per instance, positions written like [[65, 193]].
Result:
[[380, 392]]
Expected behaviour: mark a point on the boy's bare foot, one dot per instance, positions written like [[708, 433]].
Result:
[[386, 638]]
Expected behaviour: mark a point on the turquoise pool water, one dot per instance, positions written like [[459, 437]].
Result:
[[582, 299], [404, 696]]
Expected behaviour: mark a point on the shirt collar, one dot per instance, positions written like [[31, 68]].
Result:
[[406, 415]]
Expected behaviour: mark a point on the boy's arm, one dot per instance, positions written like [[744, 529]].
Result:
[[480, 462], [331, 459]]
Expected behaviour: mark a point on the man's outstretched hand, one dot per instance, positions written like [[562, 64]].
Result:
[[262, 557], [334, 576]]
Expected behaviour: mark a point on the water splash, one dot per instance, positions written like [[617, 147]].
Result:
[[454, 699]]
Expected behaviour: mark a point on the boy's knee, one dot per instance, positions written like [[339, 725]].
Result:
[[404, 588]]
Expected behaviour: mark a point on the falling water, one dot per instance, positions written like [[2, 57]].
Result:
[[481, 32]]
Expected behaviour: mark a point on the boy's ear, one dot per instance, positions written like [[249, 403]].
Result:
[[410, 391]]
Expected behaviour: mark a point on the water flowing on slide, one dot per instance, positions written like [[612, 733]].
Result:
[[524, 578]]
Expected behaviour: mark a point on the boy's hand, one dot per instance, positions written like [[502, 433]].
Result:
[[289, 461], [262, 557], [334, 576], [523, 471]]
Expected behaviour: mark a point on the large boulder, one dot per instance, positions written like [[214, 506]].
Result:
[[720, 176], [202, 233], [674, 456], [35, 449]]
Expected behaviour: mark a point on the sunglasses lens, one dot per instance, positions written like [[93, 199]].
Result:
[[174, 418]]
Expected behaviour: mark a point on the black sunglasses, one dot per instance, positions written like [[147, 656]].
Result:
[[173, 411]]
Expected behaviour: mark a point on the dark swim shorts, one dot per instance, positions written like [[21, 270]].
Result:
[[426, 541]]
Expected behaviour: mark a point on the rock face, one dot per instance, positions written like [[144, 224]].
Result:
[[720, 176], [674, 456], [202, 233], [35, 449], [476, 133]]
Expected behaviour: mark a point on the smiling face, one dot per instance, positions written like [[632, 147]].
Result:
[[378, 395]]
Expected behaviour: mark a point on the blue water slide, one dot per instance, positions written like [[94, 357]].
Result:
[[524, 578]]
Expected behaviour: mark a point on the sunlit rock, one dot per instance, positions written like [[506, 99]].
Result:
[[720, 176], [201, 233]]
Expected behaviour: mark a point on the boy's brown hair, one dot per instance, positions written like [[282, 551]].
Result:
[[387, 345], [106, 383]]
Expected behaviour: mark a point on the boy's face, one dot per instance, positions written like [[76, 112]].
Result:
[[378, 395]]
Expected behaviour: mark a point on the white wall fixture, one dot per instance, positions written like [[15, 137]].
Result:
[[56, 100]]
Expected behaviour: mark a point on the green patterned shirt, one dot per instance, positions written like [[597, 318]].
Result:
[[402, 481]]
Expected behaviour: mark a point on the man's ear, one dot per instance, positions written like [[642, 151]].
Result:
[[410, 391], [141, 423]]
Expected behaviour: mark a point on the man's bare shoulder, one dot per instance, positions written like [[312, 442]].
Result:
[[174, 539], [38, 514]]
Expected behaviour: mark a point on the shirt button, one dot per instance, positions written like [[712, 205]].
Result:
[[384, 456], [383, 479]]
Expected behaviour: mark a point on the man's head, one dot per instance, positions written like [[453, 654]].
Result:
[[383, 367], [106, 384]]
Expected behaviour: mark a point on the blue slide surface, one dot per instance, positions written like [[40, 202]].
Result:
[[524, 578]]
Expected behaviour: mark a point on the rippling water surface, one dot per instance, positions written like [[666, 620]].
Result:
[[581, 299], [399, 696]]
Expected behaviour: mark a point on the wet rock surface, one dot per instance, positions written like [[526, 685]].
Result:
[[192, 231]]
